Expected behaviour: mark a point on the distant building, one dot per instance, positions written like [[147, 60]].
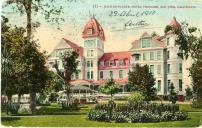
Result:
[[160, 53]]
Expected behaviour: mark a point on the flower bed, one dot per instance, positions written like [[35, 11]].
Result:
[[141, 112]]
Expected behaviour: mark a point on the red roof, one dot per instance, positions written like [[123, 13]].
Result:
[[175, 23], [97, 30], [74, 46], [119, 81], [80, 82], [116, 55], [103, 81]]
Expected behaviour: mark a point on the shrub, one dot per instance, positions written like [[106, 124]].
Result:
[[166, 116], [180, 115], [188, 93], [172, 94], [136, 97], [119, 117], [134, 117], [98, 115], [145, 116], [73, 106], [197, 104], [137, 112], [24, 110], [12, 108]]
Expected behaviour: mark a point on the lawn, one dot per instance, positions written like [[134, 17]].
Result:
[[54, 116], [187, 107], [82, 121]]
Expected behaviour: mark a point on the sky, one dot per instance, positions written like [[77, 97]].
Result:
[[78, 12]]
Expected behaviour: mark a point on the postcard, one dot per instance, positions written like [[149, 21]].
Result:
[[96, 63]]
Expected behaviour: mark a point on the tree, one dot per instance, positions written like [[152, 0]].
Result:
[[188, 93], [172, 94], [54, 83], [140, 79], [110, 88], [189, 40], [70, 64], [28, 72], [51, 13], [11, 68]]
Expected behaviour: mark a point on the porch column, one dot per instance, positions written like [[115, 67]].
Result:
[[79, 97]]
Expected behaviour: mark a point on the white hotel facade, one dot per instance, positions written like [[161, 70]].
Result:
[[160, 53]]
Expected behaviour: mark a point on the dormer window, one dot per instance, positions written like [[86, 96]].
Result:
[[101, 63], [146, 42], [121, 62], [111, 63], [90, 31]]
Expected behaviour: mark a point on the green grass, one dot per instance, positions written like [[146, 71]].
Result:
[[187, 107], [79, 118], [82, 121]]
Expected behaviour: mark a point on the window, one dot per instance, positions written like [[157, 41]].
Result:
[[121, 74], [88, 63], [144, 56], [180, 85], [152, 69], [88, 75], [102, 63], [91, 51], [168, 54], [158, 69], [180, 67], [168, 83], [91, 74], [151, 55], [111, 74], [90, 31], [106, 63], [168, 68], [111, 63], [146, 42], [158, 55], [101, 74], [168, 41], [159, 85], [136, 57], [121, 62]]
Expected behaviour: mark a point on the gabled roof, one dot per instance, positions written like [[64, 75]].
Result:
[[175, 23], [74, 46], [116, 55], [155, 38], [145, 34], [97, 30]]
